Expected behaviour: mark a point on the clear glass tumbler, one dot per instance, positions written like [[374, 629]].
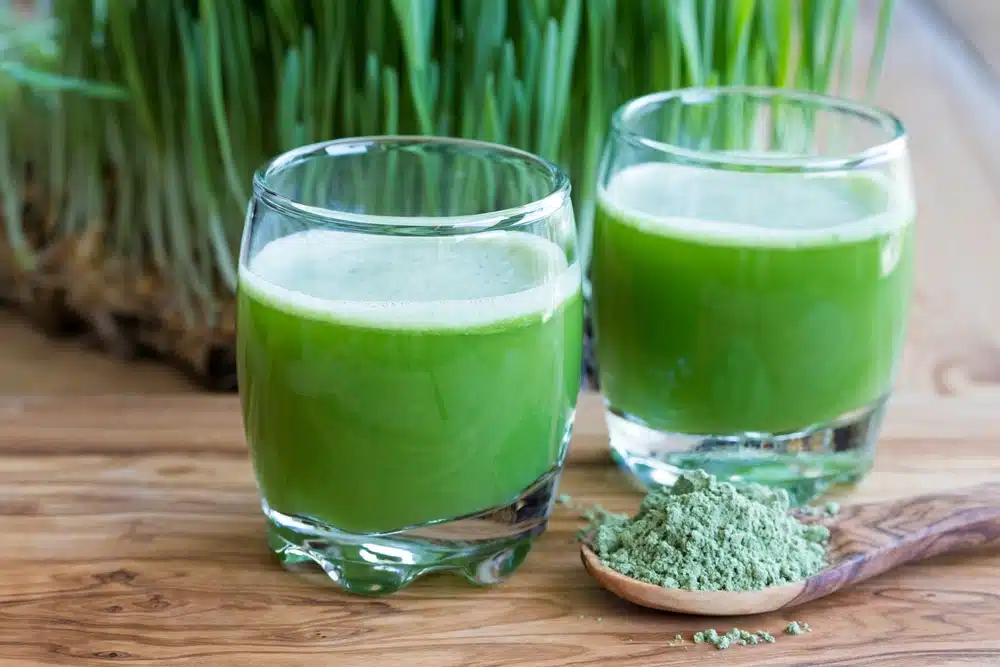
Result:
[[752, 268], [409, 355]]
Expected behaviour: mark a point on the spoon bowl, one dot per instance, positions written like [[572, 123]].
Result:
[[865, 541]]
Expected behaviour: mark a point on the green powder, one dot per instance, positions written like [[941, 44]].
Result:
[[594, 514], [797, 628], [734, 637], [765, 636], [703, 534], [827, 511]]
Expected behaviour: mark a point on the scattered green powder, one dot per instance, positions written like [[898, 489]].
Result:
[[593, 514], [733, 638], [797, 628], [707, 535], [829, 510], [597, 514], [709, 636]]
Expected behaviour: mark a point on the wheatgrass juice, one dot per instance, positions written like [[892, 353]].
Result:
[[740, 313], [390, 382]]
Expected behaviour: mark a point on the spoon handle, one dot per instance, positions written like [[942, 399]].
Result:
[[873, 538]]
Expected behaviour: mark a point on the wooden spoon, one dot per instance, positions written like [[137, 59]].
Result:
[[865, 541]]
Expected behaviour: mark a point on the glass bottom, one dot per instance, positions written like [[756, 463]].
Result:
[[807, 463], [483, 548]]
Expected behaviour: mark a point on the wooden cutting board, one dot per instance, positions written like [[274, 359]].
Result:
[[131, 535]]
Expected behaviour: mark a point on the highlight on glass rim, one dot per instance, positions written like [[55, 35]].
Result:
[[383, 330]]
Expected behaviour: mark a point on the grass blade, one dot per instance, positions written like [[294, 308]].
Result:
[[881, 41], [211, 61], [686, 21]]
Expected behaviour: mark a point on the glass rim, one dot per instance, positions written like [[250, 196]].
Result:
[[539, 209], [892, 148]]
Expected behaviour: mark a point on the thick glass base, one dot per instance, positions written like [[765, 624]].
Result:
[[807, 463], [483, 548]]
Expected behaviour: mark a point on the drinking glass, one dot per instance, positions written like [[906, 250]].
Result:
[[751, 273], [409, 355]]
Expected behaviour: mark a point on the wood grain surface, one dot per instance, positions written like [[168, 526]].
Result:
[[868, 539], [131, 535]]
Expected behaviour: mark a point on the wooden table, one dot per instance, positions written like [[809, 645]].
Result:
[[131, 534]]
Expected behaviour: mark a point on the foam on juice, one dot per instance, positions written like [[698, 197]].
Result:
[[754, 208], [450, 282]]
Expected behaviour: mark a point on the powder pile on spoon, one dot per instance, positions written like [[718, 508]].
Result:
[[705, 535]]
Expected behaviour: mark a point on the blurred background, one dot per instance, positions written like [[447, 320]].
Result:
[[129, 130]]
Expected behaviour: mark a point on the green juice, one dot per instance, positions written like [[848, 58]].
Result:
[[730, 302], [389, 382]]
